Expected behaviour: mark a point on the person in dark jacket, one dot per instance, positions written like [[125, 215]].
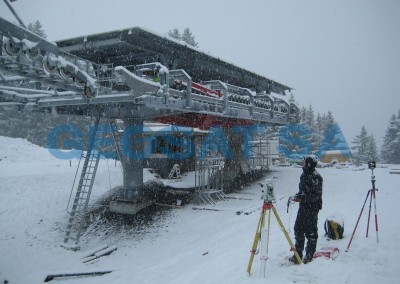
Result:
[[310, 202]]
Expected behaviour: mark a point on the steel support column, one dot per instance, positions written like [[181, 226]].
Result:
[[133, 166]]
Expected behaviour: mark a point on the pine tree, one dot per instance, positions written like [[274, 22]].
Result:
[[329, 118], [313, 135], [372, 150], [390, 152], [188, 37], [303, 111], [309, 117], [319, 131], [175, 34], [320, 127], [308, 121], [37, 28], [360, 147], [294, 141]]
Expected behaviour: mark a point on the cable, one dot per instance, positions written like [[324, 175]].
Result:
[[73, 184], [109, 175]]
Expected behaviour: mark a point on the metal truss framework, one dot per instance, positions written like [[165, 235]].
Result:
[[38, 74]]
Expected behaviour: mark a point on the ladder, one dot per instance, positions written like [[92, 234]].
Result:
[[82, 195], [175, 172]]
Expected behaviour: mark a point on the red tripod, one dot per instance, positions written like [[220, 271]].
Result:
[[371, 194]]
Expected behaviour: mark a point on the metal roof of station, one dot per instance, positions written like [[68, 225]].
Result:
[[135, 46]]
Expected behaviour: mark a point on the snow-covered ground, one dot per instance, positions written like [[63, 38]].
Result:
[[185, 245]]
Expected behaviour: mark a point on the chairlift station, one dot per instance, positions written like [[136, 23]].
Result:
[[134, 75]]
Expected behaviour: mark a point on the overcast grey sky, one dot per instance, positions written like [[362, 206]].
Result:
[[341, 56]]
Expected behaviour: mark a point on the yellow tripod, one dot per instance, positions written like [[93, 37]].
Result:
[[267, 207]]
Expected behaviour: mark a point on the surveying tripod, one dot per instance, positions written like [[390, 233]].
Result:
[[371, 194], [268, 205]]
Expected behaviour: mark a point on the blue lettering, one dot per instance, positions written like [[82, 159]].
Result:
[[248, 133], [216, 142], [178, 148], [135, 145], [75, 142], [294, 140], [104, 142]]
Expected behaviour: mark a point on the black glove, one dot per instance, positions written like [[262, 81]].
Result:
[[298, 197]]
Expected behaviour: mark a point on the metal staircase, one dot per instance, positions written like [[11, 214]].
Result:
[[79, 208]]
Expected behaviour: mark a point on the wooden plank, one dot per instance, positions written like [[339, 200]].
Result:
[[75, 274]]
